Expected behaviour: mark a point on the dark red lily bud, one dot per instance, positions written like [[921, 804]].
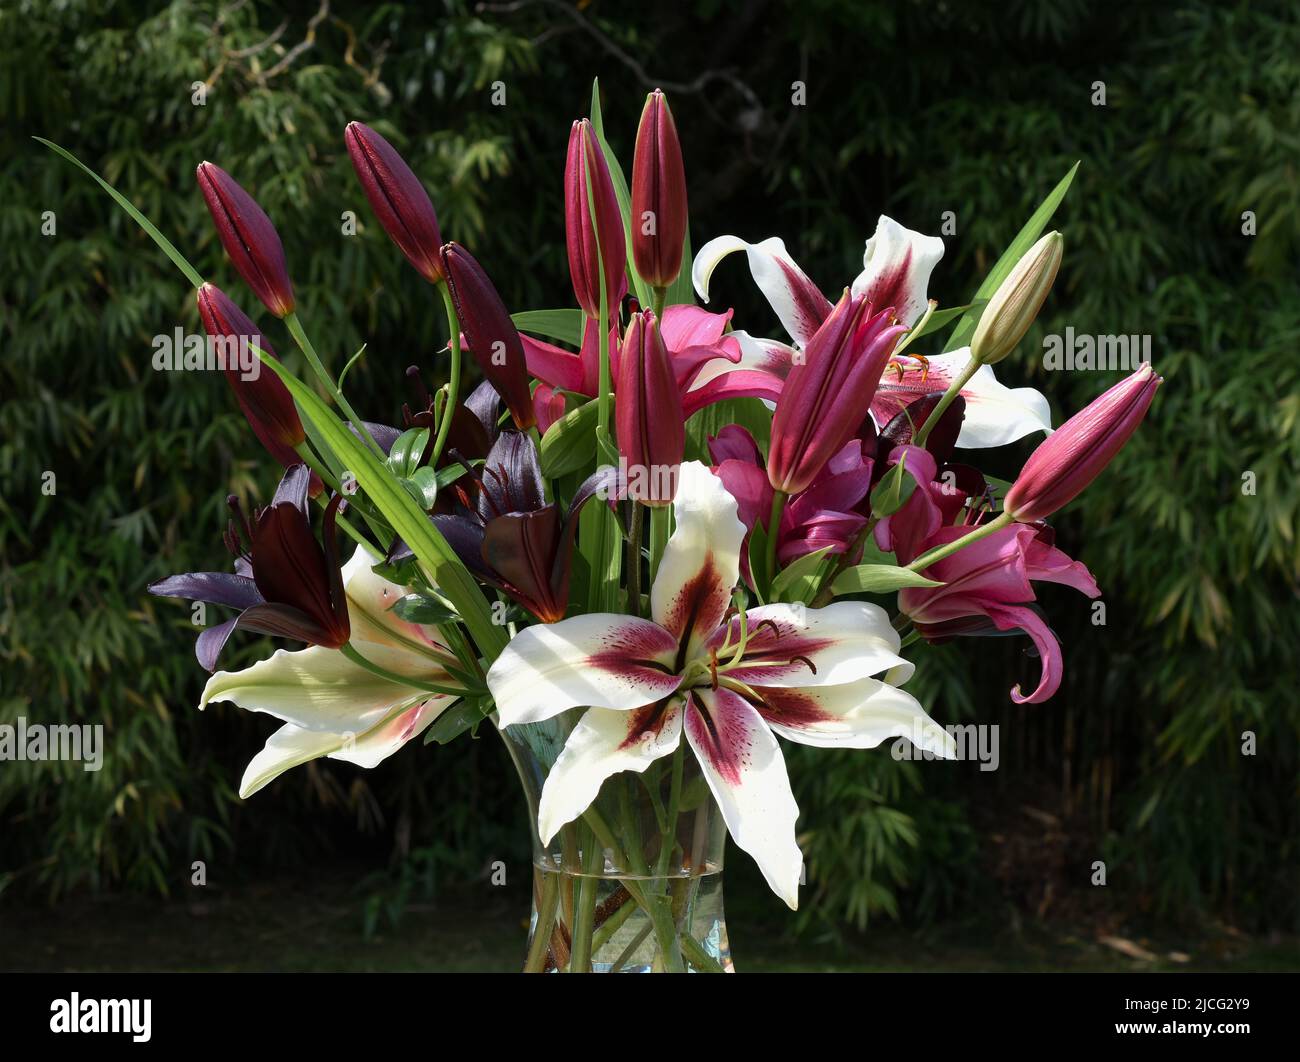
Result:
[[492, 336], [249, 238], [398, 199], [263, 399], [827, 395], [648, 413], [658, 195], [591, 245]]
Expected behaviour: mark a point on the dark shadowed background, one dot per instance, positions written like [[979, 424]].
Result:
[[912, 109]]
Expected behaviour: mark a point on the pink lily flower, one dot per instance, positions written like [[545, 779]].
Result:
[[823, 516], [726, 683], [989, 584], [896, 272], [709, 363]]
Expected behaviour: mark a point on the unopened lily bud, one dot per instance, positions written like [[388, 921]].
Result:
[[493, 339], [1016, 303], [249, 238], [398, 199], [648, 412], [658, 195], [590, 245], [1074, 455]]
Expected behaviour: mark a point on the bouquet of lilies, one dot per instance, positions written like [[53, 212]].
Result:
[[641, 605]]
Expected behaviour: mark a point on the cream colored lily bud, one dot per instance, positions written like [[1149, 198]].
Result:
[[1017, 301]]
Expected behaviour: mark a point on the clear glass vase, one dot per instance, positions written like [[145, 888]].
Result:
[[635, 884]]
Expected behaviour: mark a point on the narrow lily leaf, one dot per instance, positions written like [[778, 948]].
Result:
[[408, 520], [421, 608], [893, 490], [564, 325], [168, 248], [758, 563], [941, 317], [404, 457], [681, 292], [464, 715], [570, 443], [749, 413], [800, 581], [621, 193], [1024, 240], [423, 485], [877, 579]]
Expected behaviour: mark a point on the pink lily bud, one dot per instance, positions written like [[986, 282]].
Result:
[[398, 199], [1074, 455], [590, 246], [249, 238], [492, 337], [658, 195], [826, 397], [648, 414]]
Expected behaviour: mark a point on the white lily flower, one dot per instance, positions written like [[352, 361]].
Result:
[[728, 682], [896, 272], [332, 706]]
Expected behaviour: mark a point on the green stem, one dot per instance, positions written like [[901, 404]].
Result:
[[634, 560], [453, 383], [939, 552], [954, 389], [660, 517], [659, 297], [536, 961], [774, 532], [351, 653], [584, 913], [305, 345]]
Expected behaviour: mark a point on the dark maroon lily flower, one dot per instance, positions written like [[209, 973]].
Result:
[[510, 537], [590, 245], [398, 199], [286, 584], [827, 396], [249, 238], [658, 195], [492, 336]]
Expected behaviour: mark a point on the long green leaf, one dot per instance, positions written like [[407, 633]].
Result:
[[1024, 240], [877, 579], [436, 557], [168, 248], [621, 193], [564, 325]]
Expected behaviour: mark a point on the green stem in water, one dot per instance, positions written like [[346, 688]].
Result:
[[939, 552], [536, 961], [954, 389], [305, 345], [453, 383]]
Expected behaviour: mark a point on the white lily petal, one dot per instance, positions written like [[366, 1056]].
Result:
[[292, 745], [601, 659], [370, 599], [896, 268], [604, 743], [798, 302], [790, 645], [857, 715], [745, 771], [995, 414], [321, 689], [701, 562]]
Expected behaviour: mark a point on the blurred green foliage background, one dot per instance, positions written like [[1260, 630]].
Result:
[[912, 109]]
